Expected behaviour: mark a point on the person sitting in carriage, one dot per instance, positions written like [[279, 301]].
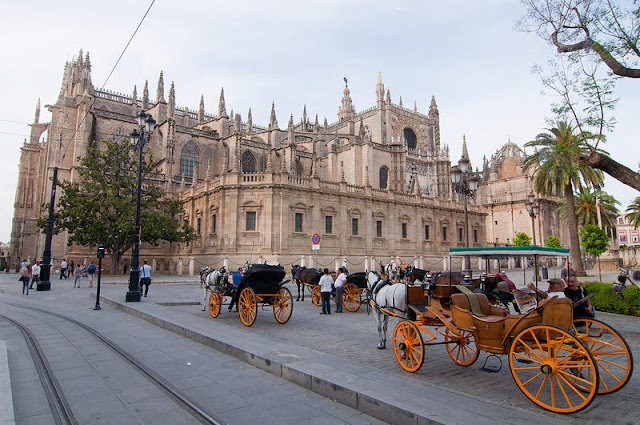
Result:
[[582, 307], [555, 289]]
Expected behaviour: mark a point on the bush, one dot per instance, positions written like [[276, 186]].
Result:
[[628, 302]]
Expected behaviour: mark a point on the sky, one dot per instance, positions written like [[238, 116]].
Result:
[[466, 53]]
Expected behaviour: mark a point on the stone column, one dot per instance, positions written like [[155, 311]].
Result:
[[225, 263], [154, 264], [312, 264], [366, 263], [192, 266], [445, 264], [421, 263], [179, 267], [302, 262]]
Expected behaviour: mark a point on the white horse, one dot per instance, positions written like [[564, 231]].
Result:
[[208, 284], [386, 296]]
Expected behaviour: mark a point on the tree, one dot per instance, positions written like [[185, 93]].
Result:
[[522, 239], [633, 211], [587, 34], [557, 171], [586, 204], [595, 241], [552, 242], [100, 208]]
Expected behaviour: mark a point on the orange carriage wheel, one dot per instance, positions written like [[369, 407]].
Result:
[[553, 368], [248, 306], [214, 304], [408, 346], [315, 295], [351, 297], [282, 305], [462, 347], [610, 351]]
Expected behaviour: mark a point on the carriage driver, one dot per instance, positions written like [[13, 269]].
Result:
[[556, 289]]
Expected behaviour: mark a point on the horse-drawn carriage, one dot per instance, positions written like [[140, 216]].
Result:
[[559, 362], [354, 289], [261, 284]]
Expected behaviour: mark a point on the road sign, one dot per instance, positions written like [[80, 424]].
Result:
[[315, 239], [315, 247]]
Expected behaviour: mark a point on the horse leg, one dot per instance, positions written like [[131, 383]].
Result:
[[380, 319], [204, 299], [298, 285], [385, 322]]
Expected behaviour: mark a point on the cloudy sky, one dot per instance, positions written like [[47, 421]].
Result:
[[466, 53]]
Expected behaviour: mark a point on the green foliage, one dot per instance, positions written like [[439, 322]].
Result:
[[552, 242], [594, 239], [628, 302], [586, 203], [521, 239], [100, 207], [633, 211]]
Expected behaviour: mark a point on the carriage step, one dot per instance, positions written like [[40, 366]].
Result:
[[418, 308]]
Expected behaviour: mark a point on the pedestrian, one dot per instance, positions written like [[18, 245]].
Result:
[[91, 272], [25, 276], [145, 277], [325, 291], [567, 272], [79, 271], [581, 308], [70, 268], [339, 284], [126, 267], [35, 274], [63, 269]]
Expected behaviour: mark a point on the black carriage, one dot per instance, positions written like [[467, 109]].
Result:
[[261, 284]]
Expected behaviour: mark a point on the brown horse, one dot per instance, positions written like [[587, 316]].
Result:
[[302, 275]]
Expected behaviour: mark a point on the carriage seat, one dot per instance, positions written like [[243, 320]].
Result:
[[493, 317]]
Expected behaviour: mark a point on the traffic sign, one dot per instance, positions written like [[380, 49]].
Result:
[[315, 239]]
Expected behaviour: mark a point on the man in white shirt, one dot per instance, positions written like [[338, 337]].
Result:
[[325, 292], [35, 274], [63, 269], [145, 277], [339, 284]]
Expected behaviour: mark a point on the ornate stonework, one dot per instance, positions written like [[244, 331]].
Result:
[[373, 184]]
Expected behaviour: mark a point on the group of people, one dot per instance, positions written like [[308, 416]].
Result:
[[568, 287], [326, 282], [29, 274]]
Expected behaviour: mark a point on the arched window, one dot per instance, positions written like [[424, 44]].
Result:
[[248, 162], [298, 168], [410, 138], [188, 159], [118, 134], [384, 176]]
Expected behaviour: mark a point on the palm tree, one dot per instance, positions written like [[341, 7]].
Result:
[[586, 202], [633, 212], [558, 170]]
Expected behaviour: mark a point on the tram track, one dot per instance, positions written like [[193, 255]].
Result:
[[60, 408]]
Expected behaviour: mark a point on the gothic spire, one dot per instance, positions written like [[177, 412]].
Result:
[[291, 121], [433, 108], [172, 100], [249, 121], [401, 101], [135, 95], [145, 95], [201, 109], [273, 122], [415, 106], [160, 90], [380, 91], [37, 117], [316, 125], [222, 109], [304, 118], [465, 153], [363, 132], [388, 97], [87, 62], [346, 111]]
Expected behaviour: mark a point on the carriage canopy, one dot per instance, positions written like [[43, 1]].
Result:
[[509, 251]]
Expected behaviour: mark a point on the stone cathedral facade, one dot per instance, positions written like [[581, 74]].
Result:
[[374, 184]]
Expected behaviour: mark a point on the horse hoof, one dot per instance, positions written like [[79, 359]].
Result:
[[381, 347]]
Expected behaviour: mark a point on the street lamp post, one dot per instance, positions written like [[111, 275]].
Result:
[[465, 182], [138, 140], [533, 207]]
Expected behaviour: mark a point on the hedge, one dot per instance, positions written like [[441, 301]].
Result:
[[604, 299]]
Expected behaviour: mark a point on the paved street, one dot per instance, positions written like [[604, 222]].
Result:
[[329, 355]]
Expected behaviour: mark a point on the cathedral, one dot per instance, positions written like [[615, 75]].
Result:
[[372, 185]]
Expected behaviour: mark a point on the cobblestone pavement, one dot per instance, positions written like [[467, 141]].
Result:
[[354, 336]]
